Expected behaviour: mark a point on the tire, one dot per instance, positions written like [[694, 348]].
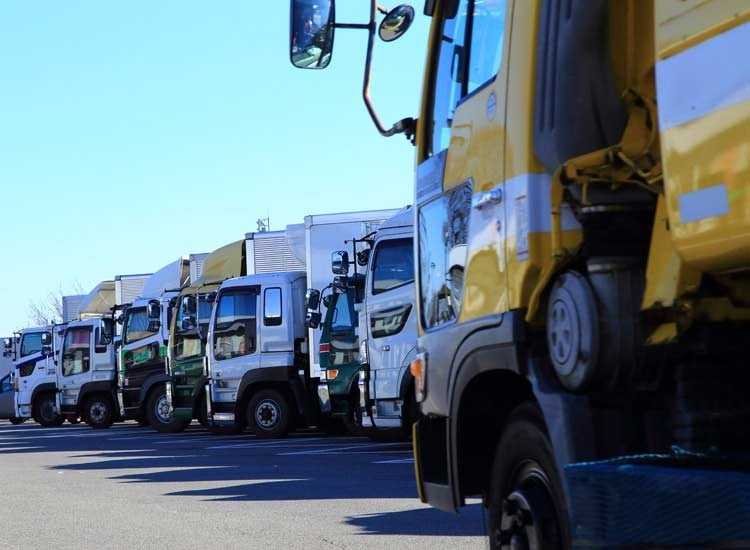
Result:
[[525, 484], [44, 411], [353, 420], [17, 421], [98, 411], [268, 414], [159, 416]]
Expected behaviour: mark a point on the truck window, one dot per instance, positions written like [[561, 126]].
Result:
[[187, 343], [471, 51], [341, 335], [76, 351], [443, 237], [393, 265], [235, 329], [449, 80], [136, 325], [31, 343], [272, 307]]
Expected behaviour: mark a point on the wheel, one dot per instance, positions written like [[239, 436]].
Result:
[[268, 414], [45, 412], [353, 419], [159, 414], [16, 421], [201, 413], [525, 501], [98, 411]]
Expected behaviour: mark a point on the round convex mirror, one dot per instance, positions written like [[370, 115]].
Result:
[[396, 23]]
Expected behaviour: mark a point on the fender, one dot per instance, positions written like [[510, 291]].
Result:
[[41, 388], [407, 380], [99, 386], [151, 381], [285, 375]]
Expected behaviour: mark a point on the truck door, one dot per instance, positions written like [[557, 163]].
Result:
[[31, 367], [141, 355], [75, 365], [7, 408], [463, 197], [339, 344], [703, 98], [391, 324], [233, 341]]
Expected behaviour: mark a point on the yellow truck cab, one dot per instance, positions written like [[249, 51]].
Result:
[[582, 208]]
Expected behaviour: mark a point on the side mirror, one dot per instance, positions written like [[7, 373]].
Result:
[[396, 23], [211, 297], [8, 344], [340, 262], [312, 319], [154, 310], [312, 299], [311, 29], [46, 339], [328, 300]]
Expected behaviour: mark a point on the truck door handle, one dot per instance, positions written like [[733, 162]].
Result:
[[492, 197], [386, 348]]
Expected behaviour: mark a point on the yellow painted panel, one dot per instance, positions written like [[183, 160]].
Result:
[[712, 151], [681, 24]]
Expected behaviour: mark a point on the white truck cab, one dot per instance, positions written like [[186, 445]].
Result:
[[85, 371], [35, 392], [257, 356], [387, 327]]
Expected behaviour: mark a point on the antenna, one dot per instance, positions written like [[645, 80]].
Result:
[[264, 224]]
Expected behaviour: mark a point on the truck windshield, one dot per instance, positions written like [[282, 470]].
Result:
[[136, 327], [393, 265], [235, 329], [76, 352]]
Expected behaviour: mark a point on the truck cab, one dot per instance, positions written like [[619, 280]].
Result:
[[258, 363], [85, 370], [142, 366], [33, 375]]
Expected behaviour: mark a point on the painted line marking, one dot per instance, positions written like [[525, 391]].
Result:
[[323, 451], [396, 461]]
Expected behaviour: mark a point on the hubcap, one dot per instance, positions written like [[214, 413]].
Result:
[[98, 411], [529, 519], [267, 414], [162, 410], [562, 332]]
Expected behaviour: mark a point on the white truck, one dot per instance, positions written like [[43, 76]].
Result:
[[262, 364], [85, 361], [33, 377]]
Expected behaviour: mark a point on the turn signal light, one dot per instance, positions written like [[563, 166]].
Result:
[[332, 373], [418, 370]]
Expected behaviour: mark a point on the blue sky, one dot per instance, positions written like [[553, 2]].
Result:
[[135, 132]]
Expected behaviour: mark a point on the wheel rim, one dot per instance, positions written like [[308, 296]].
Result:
[[163, 413], [98, 412], [529, 519], [267, 414], [47, 410], [562, 331]]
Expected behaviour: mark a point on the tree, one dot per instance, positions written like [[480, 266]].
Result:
[[49, 309]]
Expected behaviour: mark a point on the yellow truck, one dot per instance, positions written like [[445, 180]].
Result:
[[582, 214]]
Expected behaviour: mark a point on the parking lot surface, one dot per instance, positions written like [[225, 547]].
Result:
[[130, 487]]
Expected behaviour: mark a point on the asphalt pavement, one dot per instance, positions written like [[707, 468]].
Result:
[[130, 487]]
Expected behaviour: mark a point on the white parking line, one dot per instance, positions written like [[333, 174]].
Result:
[[396, 461], [90, 433], [263, 443], [323, 451]]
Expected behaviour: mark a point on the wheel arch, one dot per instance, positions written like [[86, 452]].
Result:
[[41, 389]]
